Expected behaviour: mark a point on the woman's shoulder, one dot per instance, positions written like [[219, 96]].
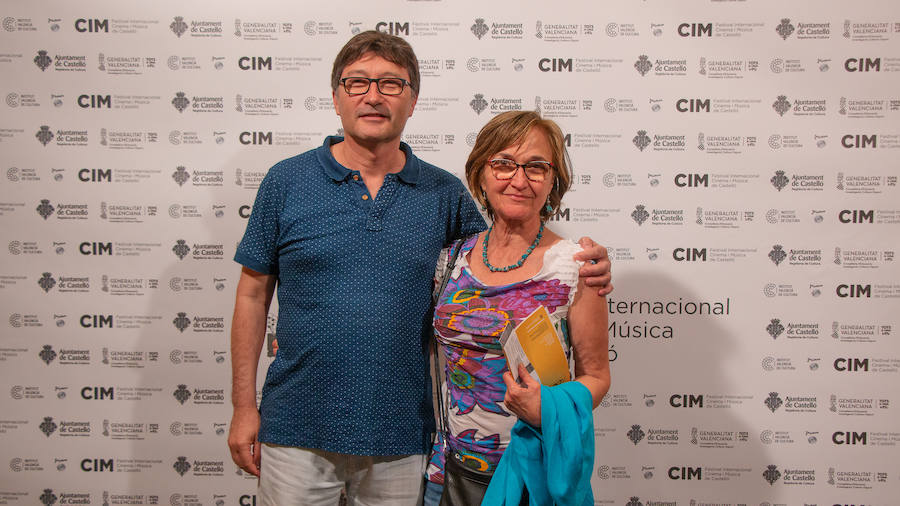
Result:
[[457, 248], [466, 243], [559, 262], [564, 249], [469, 241]]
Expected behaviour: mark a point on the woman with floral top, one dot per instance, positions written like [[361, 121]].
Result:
[[518, 171]]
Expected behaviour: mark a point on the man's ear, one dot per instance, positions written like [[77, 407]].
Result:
[[334, 100]]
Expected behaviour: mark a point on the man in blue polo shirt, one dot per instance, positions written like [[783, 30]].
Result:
[[349, 233]]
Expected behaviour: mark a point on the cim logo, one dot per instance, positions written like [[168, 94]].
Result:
[[95, 175], [244, 211], [561, 214], [255, 138], [247, 500], [685, 473], [692, 105], [91, 25], [568, 140], [96, 321], [857, 216], [95, 248], [690, 255], [859, 141], [98, 393], [854, 291], [97, 465], [94, 101], [255, 63], [686, 401], [862, 64], [393, 27], [555, 64], [851, 364], [849, 438], [695, 29], [692, 180]]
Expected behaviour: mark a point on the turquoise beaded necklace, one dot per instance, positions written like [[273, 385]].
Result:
[[484, 247]]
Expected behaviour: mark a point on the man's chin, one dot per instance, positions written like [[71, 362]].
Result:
[[367, 136]]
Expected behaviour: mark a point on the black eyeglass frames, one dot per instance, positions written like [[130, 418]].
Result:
[[386, 85]]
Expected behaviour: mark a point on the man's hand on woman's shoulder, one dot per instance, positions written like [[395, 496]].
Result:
[[596, 269]]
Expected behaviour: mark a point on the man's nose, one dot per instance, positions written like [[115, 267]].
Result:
[[373, 96]]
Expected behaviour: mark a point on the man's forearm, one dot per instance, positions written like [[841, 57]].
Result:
[[248, 331]]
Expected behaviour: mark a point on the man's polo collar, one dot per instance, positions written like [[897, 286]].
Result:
[[409, 174]]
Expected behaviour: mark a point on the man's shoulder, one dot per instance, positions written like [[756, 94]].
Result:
[[292, 165], [298, 161], [434, 175]]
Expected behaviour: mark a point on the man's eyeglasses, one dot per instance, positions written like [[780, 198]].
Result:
[[386, 85], [504, 168]]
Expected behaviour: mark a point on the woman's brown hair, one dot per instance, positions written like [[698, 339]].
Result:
[[508, 129]]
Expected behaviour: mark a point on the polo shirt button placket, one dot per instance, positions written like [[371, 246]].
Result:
[[385, 195], [358, 180]]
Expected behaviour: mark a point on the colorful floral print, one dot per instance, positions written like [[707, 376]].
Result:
[[469, 369], [468, 320]]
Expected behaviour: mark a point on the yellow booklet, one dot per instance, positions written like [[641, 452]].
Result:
[[535, 344]]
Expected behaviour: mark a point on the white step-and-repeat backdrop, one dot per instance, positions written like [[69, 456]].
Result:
[[739, 158]]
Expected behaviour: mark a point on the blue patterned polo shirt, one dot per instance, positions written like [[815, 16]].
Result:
[[354, 299]]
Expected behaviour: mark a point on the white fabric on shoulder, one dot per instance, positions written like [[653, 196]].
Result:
[[559, 262]]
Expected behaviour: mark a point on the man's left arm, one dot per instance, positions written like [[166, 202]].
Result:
[[596, 269]]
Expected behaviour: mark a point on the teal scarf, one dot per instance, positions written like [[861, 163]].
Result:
[[555, 463]]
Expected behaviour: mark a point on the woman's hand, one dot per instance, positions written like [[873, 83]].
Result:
[[523, 400]]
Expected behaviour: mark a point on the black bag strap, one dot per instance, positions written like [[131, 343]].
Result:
[[455, 249]]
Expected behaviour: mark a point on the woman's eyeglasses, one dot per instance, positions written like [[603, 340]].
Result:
[[504, 168]]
